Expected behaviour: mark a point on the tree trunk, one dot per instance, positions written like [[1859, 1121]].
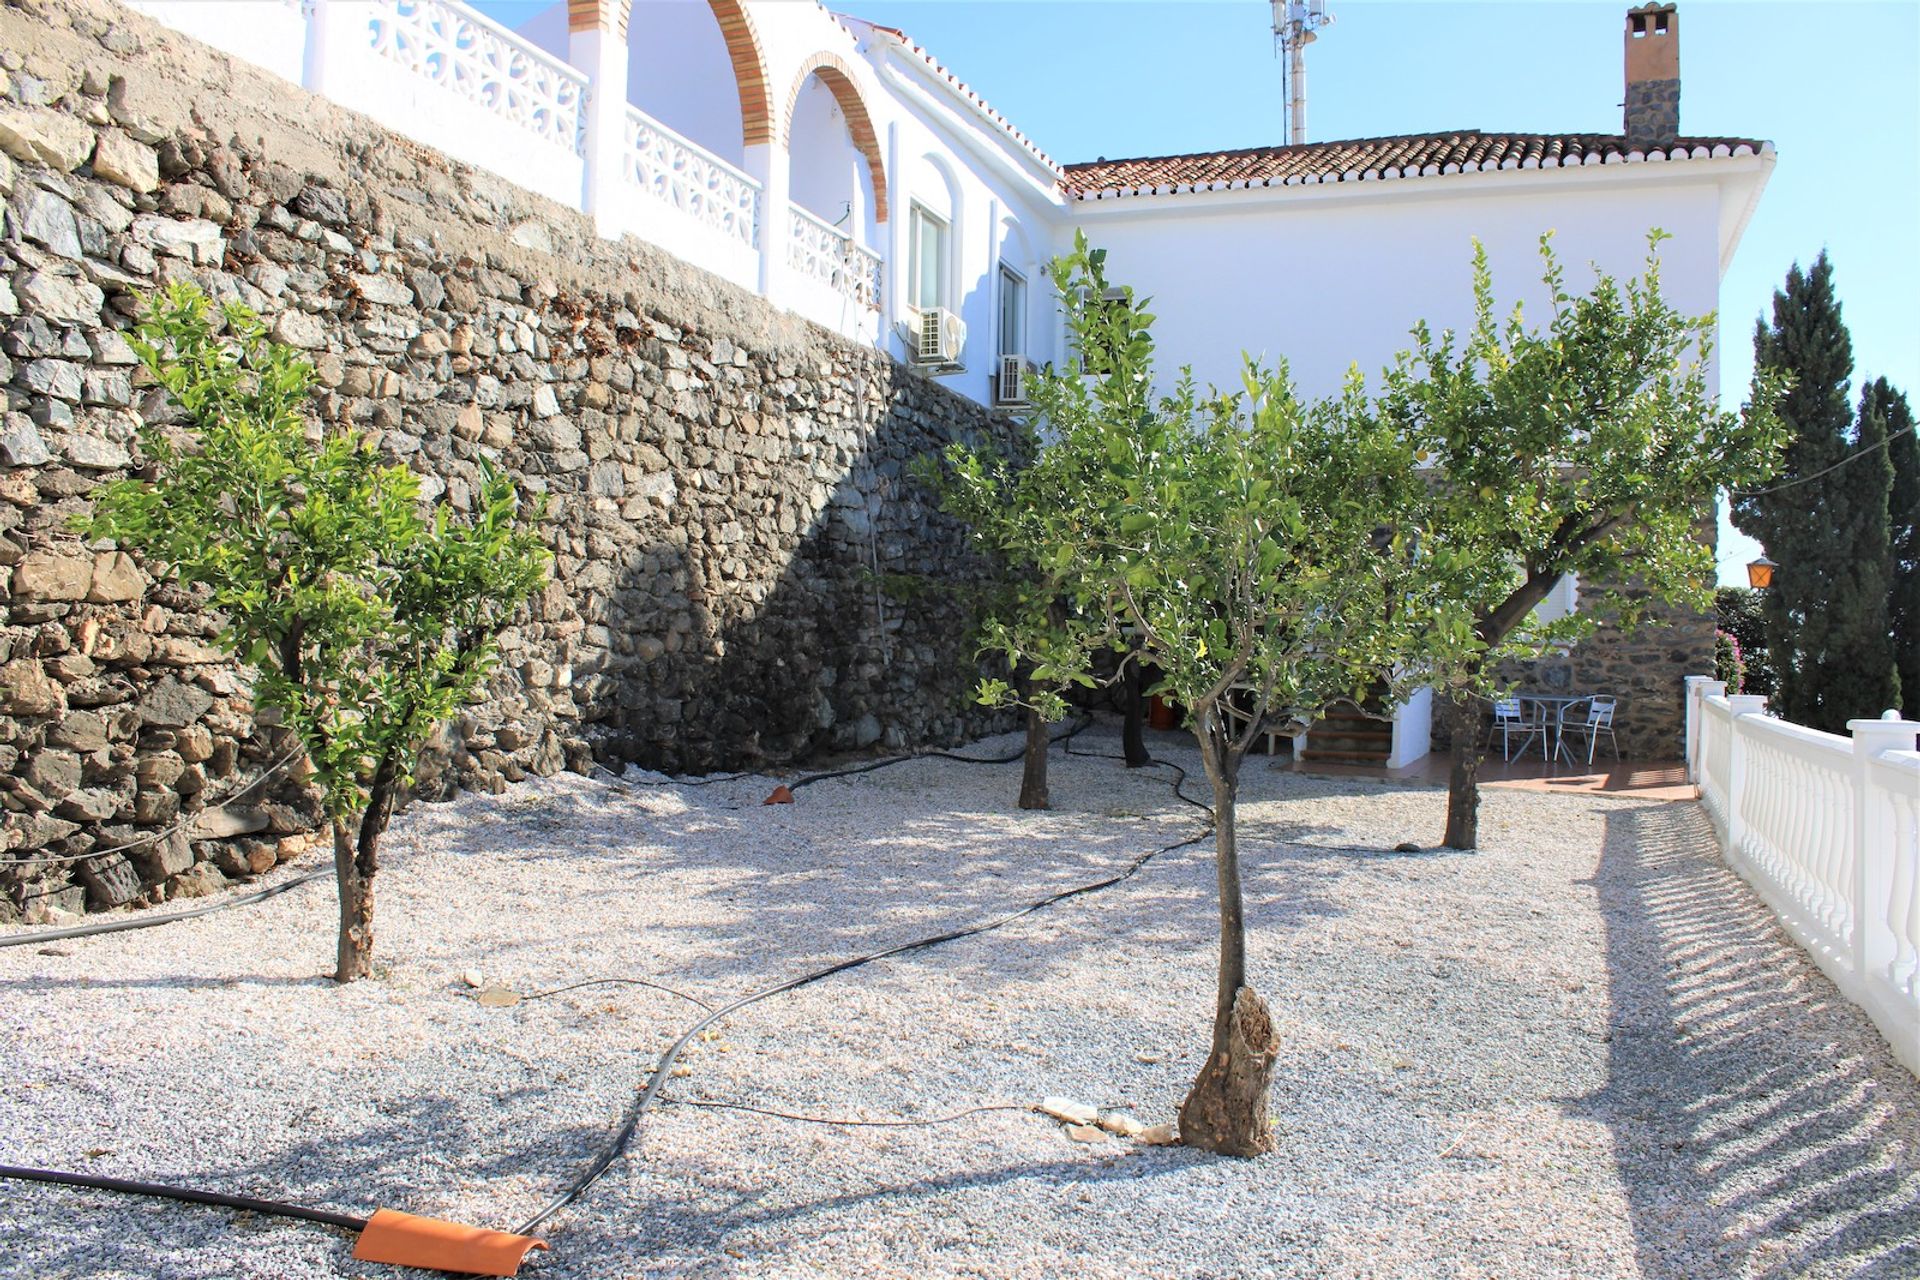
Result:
[[355, 955], [1226, 1110], [1463, 777], [1033, 778], [1133, 737]]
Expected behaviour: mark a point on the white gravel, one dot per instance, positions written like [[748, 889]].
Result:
[[1583, 1051]]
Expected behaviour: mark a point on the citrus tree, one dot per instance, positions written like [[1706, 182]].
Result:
[[1591, 446], [366, 618], [1245, 544]]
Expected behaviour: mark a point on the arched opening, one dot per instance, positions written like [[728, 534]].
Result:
[[696, 67], [836, 172]]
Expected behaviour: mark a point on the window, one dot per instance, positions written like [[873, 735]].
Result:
[[1013, 312], [926, 261], [1109, 316], [1561, 602]]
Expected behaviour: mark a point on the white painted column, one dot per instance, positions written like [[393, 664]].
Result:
[[1695, 692], [601, 55], [336, 32], [1873, 852], [893, 269], [1742, 704], [771, 165]]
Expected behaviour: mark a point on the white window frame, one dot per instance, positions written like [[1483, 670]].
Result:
[[1017, 345], [943, 280]]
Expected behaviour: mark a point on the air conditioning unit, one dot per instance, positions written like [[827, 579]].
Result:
[[1010, 380], [938, 337]]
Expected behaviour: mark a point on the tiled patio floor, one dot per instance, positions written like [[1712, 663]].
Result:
[[1643, 779]]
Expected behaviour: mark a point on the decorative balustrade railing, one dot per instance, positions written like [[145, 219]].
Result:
[[1893, 815], [1795, 822], [1827, 830], [685, 176], [476, 59], [819, 251], [1715, 755], [444, 74]]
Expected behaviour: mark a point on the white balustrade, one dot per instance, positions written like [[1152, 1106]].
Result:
[[443, 74], [821, 252], [686, 177], [1893, 825], [473, 58], [1796, 821], [1827, 830], [1715, 754]]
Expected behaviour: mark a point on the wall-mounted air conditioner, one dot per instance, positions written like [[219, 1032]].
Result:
[[1010, 380], [938, 336]]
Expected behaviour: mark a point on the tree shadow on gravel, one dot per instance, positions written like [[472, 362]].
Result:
[[815, 882], [1757, 1115], [685, 1220]]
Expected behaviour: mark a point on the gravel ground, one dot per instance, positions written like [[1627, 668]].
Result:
[[1584, 1051]]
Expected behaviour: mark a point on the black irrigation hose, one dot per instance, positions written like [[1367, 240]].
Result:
[[872, 766], [612, 982], [630, 1123], [854, 1124], [129, 1186], [149, 922], [618, 1146]]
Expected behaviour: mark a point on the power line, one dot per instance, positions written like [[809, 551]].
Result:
[[1858, 453]]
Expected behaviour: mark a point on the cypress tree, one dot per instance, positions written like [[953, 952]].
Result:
[[1903, 533], [1827, 626], [1862, 680]]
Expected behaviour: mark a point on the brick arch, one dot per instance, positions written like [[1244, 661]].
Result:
[[743, 50], [749, 70], [839, 79]]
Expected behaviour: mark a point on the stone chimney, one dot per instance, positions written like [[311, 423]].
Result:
[[1653, 75]]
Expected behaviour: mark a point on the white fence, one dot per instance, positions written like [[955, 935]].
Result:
[[1827, 830], [445, 75]]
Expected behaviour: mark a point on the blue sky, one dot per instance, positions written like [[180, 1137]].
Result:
[[1835, 86]]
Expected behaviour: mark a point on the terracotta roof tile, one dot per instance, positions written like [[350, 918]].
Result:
[[1375, 159]]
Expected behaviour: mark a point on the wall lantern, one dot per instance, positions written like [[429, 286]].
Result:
[[1760, 572]]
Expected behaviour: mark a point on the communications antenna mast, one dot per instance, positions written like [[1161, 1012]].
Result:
[[1295, 26]]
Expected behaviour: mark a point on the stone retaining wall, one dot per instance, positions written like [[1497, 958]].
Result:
[[725, 484]]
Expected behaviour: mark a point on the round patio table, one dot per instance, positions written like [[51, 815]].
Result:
[[1553, 717]]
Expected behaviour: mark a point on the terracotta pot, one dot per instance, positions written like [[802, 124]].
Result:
[[1162, 713]]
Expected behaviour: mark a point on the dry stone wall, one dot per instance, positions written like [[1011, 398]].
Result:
[[727, 486]]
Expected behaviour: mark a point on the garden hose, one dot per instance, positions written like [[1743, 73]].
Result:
[[630, 1123], [428, 1243]]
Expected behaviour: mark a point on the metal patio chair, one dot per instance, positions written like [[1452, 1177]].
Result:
[[1510, 718], [1599, 720]]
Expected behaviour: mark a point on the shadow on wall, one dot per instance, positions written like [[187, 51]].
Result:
[[1751, 1104], [722, 568]]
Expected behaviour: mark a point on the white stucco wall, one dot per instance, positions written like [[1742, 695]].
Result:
[[1328, 276], [1323, 276]]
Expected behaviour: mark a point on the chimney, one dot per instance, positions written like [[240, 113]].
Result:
[[1653, 75]]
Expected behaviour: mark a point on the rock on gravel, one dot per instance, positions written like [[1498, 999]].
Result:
[[1584, 1051]]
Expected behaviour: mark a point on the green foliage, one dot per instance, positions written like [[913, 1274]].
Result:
[[1826, 520], [1903, 537], [1590, 446], [367, 618], [1237, 539], [1740, 613]]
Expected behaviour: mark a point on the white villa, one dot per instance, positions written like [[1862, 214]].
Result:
[[840, 170]]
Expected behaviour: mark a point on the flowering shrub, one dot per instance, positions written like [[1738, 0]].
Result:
[[1729, 663]]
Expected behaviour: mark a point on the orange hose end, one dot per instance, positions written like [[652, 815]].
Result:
[[433, 1245], [780, 796]]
